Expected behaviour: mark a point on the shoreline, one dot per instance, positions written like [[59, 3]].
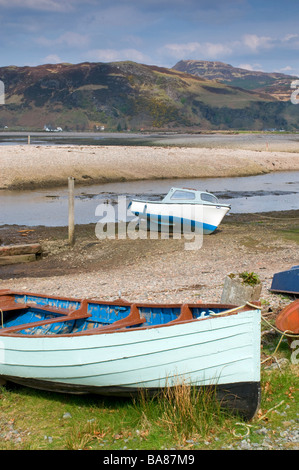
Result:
[[237, 217], [36, 167]]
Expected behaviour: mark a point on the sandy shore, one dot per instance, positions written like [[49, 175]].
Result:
[[33, 166]]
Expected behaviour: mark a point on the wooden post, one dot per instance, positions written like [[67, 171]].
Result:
[[71, 185], [28, 139]]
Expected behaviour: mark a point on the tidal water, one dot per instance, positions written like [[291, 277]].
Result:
[[251, 194]]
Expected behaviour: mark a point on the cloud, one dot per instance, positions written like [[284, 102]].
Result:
[[290, 36], [124, 17], [256, 43], [41, 5], [113, 55], [52, 59], [251, 67], [288, 68], [69, 39], [208, 50]]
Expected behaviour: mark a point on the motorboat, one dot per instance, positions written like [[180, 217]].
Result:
[[182, 209]]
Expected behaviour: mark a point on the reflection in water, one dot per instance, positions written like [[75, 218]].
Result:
[[262, 193]]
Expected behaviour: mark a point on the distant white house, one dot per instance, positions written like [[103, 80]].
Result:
[[49, 129]]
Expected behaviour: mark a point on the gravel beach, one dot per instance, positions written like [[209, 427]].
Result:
[[160, 270]]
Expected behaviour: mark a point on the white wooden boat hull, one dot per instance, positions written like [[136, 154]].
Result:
[[221, 351], [202, 217]]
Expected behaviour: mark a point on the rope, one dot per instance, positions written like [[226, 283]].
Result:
[[248, 426], [235, 309], [286, 333]]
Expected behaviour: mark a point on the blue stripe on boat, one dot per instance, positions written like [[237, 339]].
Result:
[[170, 220]]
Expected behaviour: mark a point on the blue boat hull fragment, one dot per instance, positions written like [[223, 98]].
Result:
[[286, 281]]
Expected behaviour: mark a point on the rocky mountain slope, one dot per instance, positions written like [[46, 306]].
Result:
[[276, 84]]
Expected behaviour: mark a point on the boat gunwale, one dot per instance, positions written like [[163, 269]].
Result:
[[126, 324], [114, 329], [121, 301], [195, 203]]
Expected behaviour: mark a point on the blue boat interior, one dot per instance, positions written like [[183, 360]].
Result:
[[25, 310], [158, 315]]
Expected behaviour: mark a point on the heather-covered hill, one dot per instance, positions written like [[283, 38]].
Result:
[[127, 95]]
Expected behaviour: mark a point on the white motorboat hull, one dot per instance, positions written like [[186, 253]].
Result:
[[192, 217]]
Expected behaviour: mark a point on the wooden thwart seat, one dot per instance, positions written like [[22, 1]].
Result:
[[185, 315], [8, 304], [7, 301], [76, 314], [12, 306], [132, 319], [50, 309]]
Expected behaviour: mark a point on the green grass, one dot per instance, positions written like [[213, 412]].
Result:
[[181, 418], [291, 234]]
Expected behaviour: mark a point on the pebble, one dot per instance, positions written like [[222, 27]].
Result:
[[282, 439], [288, 439]]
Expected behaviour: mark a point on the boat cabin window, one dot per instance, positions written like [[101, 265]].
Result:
[[209, 198], [183, 195]]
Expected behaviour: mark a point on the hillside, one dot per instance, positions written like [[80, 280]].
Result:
[[126, 95], [276, 84]]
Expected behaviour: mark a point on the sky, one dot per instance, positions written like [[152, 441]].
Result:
[[252, 34]]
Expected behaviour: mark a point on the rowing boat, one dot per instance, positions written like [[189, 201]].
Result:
[[118, 348]]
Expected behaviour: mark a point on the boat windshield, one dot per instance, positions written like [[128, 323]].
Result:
[[209, 198], [183, 195]]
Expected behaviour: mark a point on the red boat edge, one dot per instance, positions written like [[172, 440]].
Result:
[[288, 319]]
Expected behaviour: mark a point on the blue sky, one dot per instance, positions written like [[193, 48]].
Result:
[[258, 35]]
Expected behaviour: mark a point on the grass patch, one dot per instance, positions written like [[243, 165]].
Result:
[[250, 279], [291, 234], [179, 418], [31, 419], [183, 413]]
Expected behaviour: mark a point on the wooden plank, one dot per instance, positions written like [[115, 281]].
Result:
[[11, 307], [51, 309], [17, 259], [9, 250], [71, 185]]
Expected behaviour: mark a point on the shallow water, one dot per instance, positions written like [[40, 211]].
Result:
[[262, 193]]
